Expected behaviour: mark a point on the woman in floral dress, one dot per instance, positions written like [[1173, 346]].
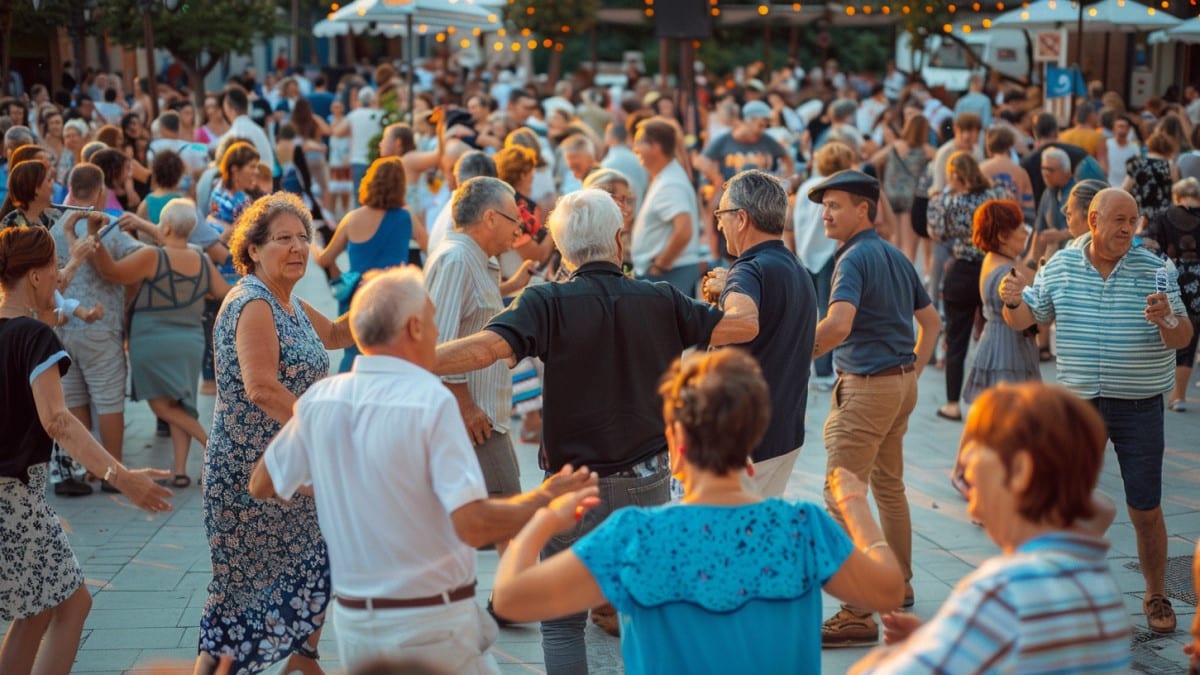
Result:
[[270, 566]]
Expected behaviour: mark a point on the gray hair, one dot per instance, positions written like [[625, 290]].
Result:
[[584, 225], [578, 143], [1188, 187], [180, 215], [762, 197], [1085, 191], [17, 136], [1058, 156], [472, 164], [78, 125], [253, 227], [384, 305], [90, 148], [604, 179], [474, 197], [842, 109]]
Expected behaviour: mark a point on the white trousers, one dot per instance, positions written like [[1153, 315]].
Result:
[[454, 637]]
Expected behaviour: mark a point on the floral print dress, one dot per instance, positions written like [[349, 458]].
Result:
[[270, 566]]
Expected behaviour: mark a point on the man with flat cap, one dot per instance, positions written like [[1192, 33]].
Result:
[[875, 295]]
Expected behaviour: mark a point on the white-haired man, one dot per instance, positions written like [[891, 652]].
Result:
[[616, 334], [425, 484]]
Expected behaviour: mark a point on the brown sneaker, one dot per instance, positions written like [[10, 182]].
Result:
[[605, 616], [847, 629], [1160, 616]]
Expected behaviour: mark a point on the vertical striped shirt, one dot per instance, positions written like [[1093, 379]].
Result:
[[1105, 345], [1050, 607], [465, 290]]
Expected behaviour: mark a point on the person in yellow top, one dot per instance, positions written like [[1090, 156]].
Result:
[[1086, 135]]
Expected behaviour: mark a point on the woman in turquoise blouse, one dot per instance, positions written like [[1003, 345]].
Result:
[[725, 581]]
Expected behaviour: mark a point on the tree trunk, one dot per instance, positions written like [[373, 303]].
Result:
[[555, 69], [5, 30]]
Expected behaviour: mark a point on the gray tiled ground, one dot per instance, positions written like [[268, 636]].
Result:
[[148, 573]]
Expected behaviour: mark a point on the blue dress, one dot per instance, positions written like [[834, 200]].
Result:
[[270, 566], [717, 589], [388, 247]]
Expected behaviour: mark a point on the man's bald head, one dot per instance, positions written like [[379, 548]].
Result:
[[1108, 198]]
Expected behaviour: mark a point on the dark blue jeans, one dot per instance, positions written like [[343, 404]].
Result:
[[1136, 429], [823, 281], [683, 277], [562, 639]]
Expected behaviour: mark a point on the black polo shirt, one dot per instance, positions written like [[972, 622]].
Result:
[[605, 340], [782, 289]]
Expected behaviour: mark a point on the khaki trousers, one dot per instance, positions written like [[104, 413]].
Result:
[[864, 434]]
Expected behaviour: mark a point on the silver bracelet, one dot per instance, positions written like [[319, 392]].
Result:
[[878, 544]]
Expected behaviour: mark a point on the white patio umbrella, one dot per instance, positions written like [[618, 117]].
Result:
[[326, 28], [415, 17], [461, 13], [1104, 16], [1187, 32]]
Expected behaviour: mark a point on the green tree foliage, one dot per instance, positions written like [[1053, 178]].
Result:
[[199, 33]]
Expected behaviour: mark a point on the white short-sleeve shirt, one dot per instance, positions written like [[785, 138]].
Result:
[[389, 459]]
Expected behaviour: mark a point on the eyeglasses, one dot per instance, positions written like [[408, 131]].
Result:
[[287, 240], [717, 213], [516, 221]]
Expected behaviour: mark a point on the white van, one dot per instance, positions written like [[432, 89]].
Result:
[[945, 61]]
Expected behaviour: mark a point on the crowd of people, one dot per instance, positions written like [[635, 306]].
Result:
[[650, 291]]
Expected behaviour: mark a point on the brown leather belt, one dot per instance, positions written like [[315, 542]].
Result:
[[460, 593], [898, 370]]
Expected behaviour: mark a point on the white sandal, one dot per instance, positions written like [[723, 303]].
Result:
[[1178, 405]]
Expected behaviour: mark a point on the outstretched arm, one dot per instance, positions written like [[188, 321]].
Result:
[[471, 353]]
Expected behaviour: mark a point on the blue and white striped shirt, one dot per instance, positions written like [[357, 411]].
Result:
[[1105, 345], [1050, 607]]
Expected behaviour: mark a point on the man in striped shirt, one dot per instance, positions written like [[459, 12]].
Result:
[[466, 292], [1120, 319]]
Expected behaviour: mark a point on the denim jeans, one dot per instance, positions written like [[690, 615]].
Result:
[[823, 281], [683, 277], [357, 173], [562, 639], [1136, 429]]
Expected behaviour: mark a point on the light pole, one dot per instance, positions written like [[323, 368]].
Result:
[[148, 38]]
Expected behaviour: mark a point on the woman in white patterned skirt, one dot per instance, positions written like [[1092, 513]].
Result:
[[41, 586]]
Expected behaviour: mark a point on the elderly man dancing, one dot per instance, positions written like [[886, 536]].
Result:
[[404, 587]]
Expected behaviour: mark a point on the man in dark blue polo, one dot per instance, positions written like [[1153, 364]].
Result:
[[768, 284], [876, 294]]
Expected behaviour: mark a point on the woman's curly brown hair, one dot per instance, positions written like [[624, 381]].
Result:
[[253, 227], [384, 185], [720, 398], [514, 162]]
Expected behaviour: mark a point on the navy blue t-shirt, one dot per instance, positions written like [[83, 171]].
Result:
[[876, 278], [774, 279]]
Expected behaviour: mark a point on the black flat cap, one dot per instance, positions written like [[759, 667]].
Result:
[[854, 182]]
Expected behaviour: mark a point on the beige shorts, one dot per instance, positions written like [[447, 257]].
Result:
[[97, 373]]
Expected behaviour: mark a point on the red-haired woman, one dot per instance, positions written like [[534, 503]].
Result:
[[1004, 354]]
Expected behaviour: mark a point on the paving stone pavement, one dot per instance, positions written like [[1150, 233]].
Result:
[[148, 573]]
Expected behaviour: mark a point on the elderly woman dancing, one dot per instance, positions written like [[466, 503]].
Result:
[[739, 575], [270, 581], [1047, 603]]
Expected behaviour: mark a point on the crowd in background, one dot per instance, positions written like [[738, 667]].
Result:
[[181, 236]]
